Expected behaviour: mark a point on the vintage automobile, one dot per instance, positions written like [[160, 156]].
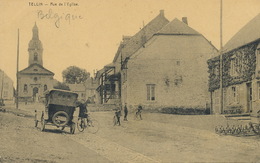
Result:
[[59, 109]]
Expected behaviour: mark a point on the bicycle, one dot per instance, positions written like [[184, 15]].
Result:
[[138, 114], [91, 124]]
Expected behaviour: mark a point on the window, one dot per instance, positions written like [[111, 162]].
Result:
[[233, 68], [236, 66], [258, 90], [35, 58], [25, 89], [45, 87], [234, 95], [150, 92], [178, 80], [35, 79]]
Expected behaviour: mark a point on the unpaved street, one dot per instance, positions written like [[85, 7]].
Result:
[[156, 138]]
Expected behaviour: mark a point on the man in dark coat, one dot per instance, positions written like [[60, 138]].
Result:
[[83, 111], [126, 112]]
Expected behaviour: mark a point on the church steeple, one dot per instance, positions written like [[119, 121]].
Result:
[[35, 32], [35, 48]]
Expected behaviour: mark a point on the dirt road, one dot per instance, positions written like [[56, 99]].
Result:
[[156, 138]]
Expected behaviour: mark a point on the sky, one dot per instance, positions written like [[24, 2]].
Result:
[[87, 33]]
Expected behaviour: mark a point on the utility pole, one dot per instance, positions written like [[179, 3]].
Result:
[[2, 87], [17, 77], [221, 64]]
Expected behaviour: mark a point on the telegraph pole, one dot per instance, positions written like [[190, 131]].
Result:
[[2, 88], [221, 64], [17, 77]]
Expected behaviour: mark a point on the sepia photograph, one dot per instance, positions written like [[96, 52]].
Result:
[[129, 81]]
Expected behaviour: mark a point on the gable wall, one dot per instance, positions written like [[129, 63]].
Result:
[[157, 63]]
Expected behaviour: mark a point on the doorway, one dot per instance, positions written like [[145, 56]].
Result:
[[249, 97], [35, 92]]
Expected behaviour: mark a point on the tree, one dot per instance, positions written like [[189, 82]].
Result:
[[61, 85], [75, 75]]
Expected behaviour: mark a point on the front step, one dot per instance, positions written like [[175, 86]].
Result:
[[243, 117]]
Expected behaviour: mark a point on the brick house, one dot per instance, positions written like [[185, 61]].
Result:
[[241, 72], [167, 69]]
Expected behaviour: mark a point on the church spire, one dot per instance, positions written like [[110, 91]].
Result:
[[35, 32], [35, 47]]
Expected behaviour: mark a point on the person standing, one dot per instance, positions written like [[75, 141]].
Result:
[[118, 115], [126, 112]]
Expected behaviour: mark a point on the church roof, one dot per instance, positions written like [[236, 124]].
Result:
[[35, 69], [177, 27], [247, 34], [135, 42]]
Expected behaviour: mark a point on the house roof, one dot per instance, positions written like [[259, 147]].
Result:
[[177, 27], [135, 42], [110, 65], [35, 69], [247, 34]]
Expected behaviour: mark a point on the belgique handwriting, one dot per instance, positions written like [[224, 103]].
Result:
[[68, 17]]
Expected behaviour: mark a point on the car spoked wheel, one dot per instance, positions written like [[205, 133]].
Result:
[[60, 118]]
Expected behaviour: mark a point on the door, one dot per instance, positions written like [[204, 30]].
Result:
[[35, 92], [249, 97]]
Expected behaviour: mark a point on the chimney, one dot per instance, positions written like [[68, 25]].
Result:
[[185, 20], [162, 12], [126, 38]]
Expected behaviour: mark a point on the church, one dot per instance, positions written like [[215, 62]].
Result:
[[35, 79]]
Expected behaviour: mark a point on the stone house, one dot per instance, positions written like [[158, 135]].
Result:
[[34, 80], [168, 68], [241, 72], [6, 86], [80, 89], [86, 90]]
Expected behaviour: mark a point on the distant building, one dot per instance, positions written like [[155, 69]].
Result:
[[163, 65], [91, 93], [86, 90], [79, 89], [35, 79], [6, 87], [241, 72]]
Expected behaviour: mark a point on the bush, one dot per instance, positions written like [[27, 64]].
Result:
[[185, 111]]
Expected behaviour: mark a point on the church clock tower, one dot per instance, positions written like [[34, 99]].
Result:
[[35, 79], [35, 48]]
